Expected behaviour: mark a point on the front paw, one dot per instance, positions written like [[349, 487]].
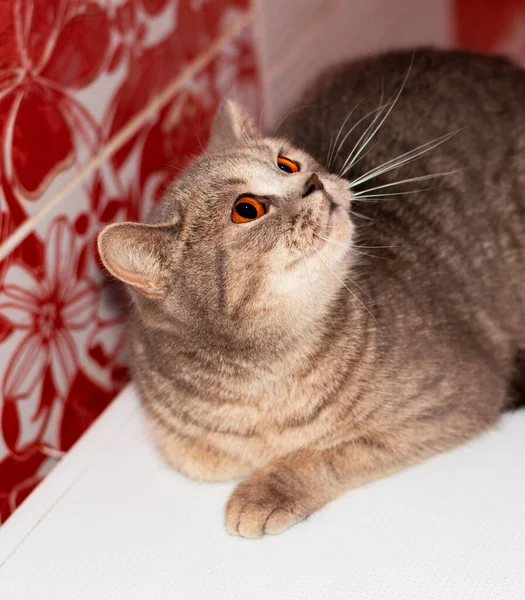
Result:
[[265, 503]]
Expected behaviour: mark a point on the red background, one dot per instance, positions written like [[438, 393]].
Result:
[[74, 74]]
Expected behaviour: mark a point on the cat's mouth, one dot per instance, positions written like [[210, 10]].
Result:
[[313, 229], [323, 233]]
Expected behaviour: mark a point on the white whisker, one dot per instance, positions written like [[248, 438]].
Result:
[[360, 216], [352, 249], [334, 242], [379, 110], [261, 120], [368, 254], [342, 282], [335, 153], [341, 144], [395, 97], [358, 196], [376, 247], [327, 162], [412, 179], [290, 114], [403, 159], [363, 155], [306, 267]]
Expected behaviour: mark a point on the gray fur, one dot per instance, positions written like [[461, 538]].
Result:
[[316, 365]]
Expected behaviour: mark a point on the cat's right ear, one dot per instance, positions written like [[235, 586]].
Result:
[[139, 255], [231, 125]]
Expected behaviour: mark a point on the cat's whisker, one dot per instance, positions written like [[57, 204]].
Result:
[[341, 144], [377, 247], [342, 282], [261, 120], [360, 216], [403, 159], [368, 254], [203, 151], [382, 107], [334, 242], [327, 161], [358, 197], [395, 97], [413, 179], [331, 159], [379, 111], [290, 114], [174, 167], [351, 248], [371, 247], [363, 155], [307, 269]]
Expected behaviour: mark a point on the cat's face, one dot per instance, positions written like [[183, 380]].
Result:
[[253, 235]]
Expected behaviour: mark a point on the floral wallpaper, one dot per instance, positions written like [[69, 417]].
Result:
[[101, 103]]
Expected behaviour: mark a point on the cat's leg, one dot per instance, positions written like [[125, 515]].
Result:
[[195, 457], [288, 490]]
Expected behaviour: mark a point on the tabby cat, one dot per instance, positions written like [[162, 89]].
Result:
[[322, 307]]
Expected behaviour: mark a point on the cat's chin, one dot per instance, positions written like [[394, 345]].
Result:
[[339, 227]]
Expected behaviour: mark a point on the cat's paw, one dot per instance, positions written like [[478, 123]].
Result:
[[264, 504]]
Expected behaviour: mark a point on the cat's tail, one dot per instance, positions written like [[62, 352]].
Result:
[[517, 387]]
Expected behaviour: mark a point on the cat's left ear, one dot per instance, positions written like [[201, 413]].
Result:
[[231, 125], [139, 255]]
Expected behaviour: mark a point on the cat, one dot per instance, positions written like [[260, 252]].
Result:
[[328, 305]]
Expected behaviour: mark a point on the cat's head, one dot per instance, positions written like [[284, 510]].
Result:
[[253, 237]]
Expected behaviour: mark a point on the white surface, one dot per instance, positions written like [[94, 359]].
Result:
[[113, 522]]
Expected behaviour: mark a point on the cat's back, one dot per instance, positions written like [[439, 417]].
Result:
[[363, 114], [440, 90], [449, 226]]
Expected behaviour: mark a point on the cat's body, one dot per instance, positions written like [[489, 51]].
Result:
[[316, 352]]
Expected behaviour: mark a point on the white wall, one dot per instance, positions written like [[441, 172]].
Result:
[[299, 38]]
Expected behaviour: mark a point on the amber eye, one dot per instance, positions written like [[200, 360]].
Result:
[[287, 165], [247, 209]]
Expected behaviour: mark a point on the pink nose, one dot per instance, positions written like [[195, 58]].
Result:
[[313, 184]]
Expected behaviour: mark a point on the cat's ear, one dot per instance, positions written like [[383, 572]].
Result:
[[231, 125], [139, 255]]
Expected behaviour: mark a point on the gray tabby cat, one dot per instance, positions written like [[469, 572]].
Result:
[[319, 309]]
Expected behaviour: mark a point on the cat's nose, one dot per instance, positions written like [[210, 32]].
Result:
[[313, 184]]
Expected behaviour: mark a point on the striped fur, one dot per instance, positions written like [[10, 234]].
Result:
[[314, 350]]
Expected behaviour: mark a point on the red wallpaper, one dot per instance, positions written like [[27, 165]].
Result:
[[491, 25], [75, 75]]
